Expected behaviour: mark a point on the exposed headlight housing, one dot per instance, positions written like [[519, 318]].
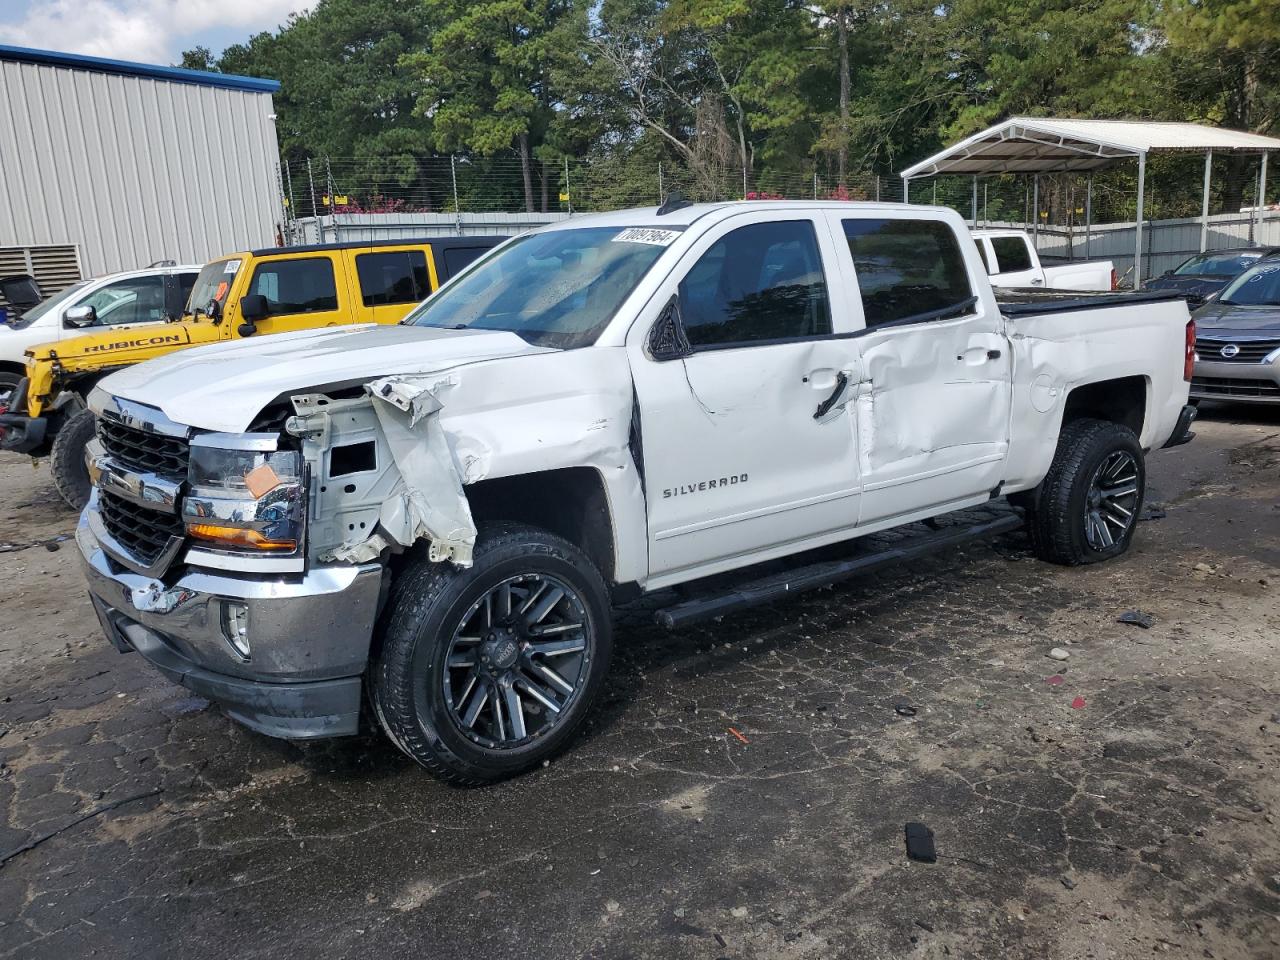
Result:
[[246, 494]]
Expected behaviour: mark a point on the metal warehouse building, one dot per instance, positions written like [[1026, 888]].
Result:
[[107, 165]]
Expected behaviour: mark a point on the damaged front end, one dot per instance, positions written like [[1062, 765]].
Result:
[[385, 474]]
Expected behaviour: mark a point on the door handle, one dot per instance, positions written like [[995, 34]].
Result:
[[993, 354], [842, 381]]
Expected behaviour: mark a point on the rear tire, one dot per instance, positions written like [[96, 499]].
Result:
[[1087, 507], [482, 673], [66, 459]]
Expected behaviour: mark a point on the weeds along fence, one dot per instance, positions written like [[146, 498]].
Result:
[[352, 199]]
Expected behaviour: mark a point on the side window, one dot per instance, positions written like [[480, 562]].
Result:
[[760, 282], [186, 283], [296, 286], [140, 300], [398, 276], [1011, 254], [906, 268], [456, 258]]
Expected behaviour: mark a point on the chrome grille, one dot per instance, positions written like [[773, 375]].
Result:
[[1250, 351], [144, 533], [1229, 387], [144, 452]]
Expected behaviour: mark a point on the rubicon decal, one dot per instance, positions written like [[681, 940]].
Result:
[[157, 341], [702, 485]]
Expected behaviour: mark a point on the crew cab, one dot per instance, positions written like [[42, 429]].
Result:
[[1013, 261], [441, 513], [249, 294]]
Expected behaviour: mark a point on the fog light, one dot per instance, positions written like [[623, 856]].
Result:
[[235, 628]]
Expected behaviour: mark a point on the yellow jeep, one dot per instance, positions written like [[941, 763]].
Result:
[[246, 294]]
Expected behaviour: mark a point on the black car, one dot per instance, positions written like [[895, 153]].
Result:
[[1238, 339], [1209, 272]]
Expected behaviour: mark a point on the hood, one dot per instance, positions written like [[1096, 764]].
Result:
[[224, 387], [1198, 286], [114, 347], [1225, 319]]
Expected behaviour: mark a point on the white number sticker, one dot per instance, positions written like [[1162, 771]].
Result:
[[232, 266], [650, 235]]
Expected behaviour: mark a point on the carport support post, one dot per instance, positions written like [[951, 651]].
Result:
[[906, 190], [975, 201], [1137, 227], [1262, 191], [1088, 214], [1204, 203], [1035, 213]]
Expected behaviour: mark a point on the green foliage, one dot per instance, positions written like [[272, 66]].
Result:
[[713, 89]]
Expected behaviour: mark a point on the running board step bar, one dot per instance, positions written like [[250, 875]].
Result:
[[753, 593]]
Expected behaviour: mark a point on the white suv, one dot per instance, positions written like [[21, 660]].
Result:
[[115, 300]]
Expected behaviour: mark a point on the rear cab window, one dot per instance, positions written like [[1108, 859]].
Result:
[[908, 271], [1012, 254]]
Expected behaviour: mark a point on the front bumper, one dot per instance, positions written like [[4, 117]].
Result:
[[23, 434], [308, 637], [1237, 382]]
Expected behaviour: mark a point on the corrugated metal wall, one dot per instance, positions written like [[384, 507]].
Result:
[[132, 169]]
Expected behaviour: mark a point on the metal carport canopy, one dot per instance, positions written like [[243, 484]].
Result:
[[1035, 145]]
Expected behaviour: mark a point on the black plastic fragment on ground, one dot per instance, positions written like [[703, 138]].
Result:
[[920, 843]]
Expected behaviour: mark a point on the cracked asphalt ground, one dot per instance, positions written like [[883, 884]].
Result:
[[1141, 822]]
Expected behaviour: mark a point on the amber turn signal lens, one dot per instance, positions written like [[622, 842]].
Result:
[[238, 537]]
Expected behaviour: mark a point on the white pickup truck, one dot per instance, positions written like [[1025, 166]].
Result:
[[1013, 261], [441, 513]]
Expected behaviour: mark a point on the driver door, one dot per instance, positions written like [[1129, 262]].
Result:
[[302, 293], [747, 438]]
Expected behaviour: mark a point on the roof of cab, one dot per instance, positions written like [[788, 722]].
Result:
[[441, 243], [684, 216]]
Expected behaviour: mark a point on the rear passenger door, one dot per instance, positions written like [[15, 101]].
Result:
[[932, 404], [390, 283], [301, 293]]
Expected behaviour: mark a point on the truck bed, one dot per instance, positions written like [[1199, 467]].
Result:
[[1024, 302]]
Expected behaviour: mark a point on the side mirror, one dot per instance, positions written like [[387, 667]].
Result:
[[667, 340], [253, 308], [78, 317]]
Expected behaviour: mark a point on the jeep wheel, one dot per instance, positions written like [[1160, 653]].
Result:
[[1087, 507], [66, 459], [485, 672], [8, 383]]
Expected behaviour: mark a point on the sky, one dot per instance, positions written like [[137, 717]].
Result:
[[148, 31]]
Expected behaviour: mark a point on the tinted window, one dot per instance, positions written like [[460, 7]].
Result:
[[186, 282], [296, 286], [455, 258], [906, 267], [1011, 254], [128, 301], [396, 277], [762, 282]]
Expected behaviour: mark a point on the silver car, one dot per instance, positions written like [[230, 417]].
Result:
[[1238, 339]]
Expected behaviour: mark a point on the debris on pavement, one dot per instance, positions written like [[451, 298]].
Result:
[[1153, 512], [1077, 703], [1069, 883], [738, 735], [904, 710], [920, 843], [1137, 618], [1058, 653], [95, 812], [1056, 680]]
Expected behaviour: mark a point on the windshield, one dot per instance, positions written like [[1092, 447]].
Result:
[[555, 289], [1258, 287], [1216, 264], [213, 283], [47, 305]]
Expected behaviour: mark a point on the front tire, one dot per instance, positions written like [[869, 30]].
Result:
[[486, 672], [1087, 507], [8, 384], [66, 459]]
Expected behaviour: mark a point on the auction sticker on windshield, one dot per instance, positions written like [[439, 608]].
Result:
[[650, 235]]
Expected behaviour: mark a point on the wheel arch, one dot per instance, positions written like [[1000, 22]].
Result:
[[571, 502], [1121, 400]]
